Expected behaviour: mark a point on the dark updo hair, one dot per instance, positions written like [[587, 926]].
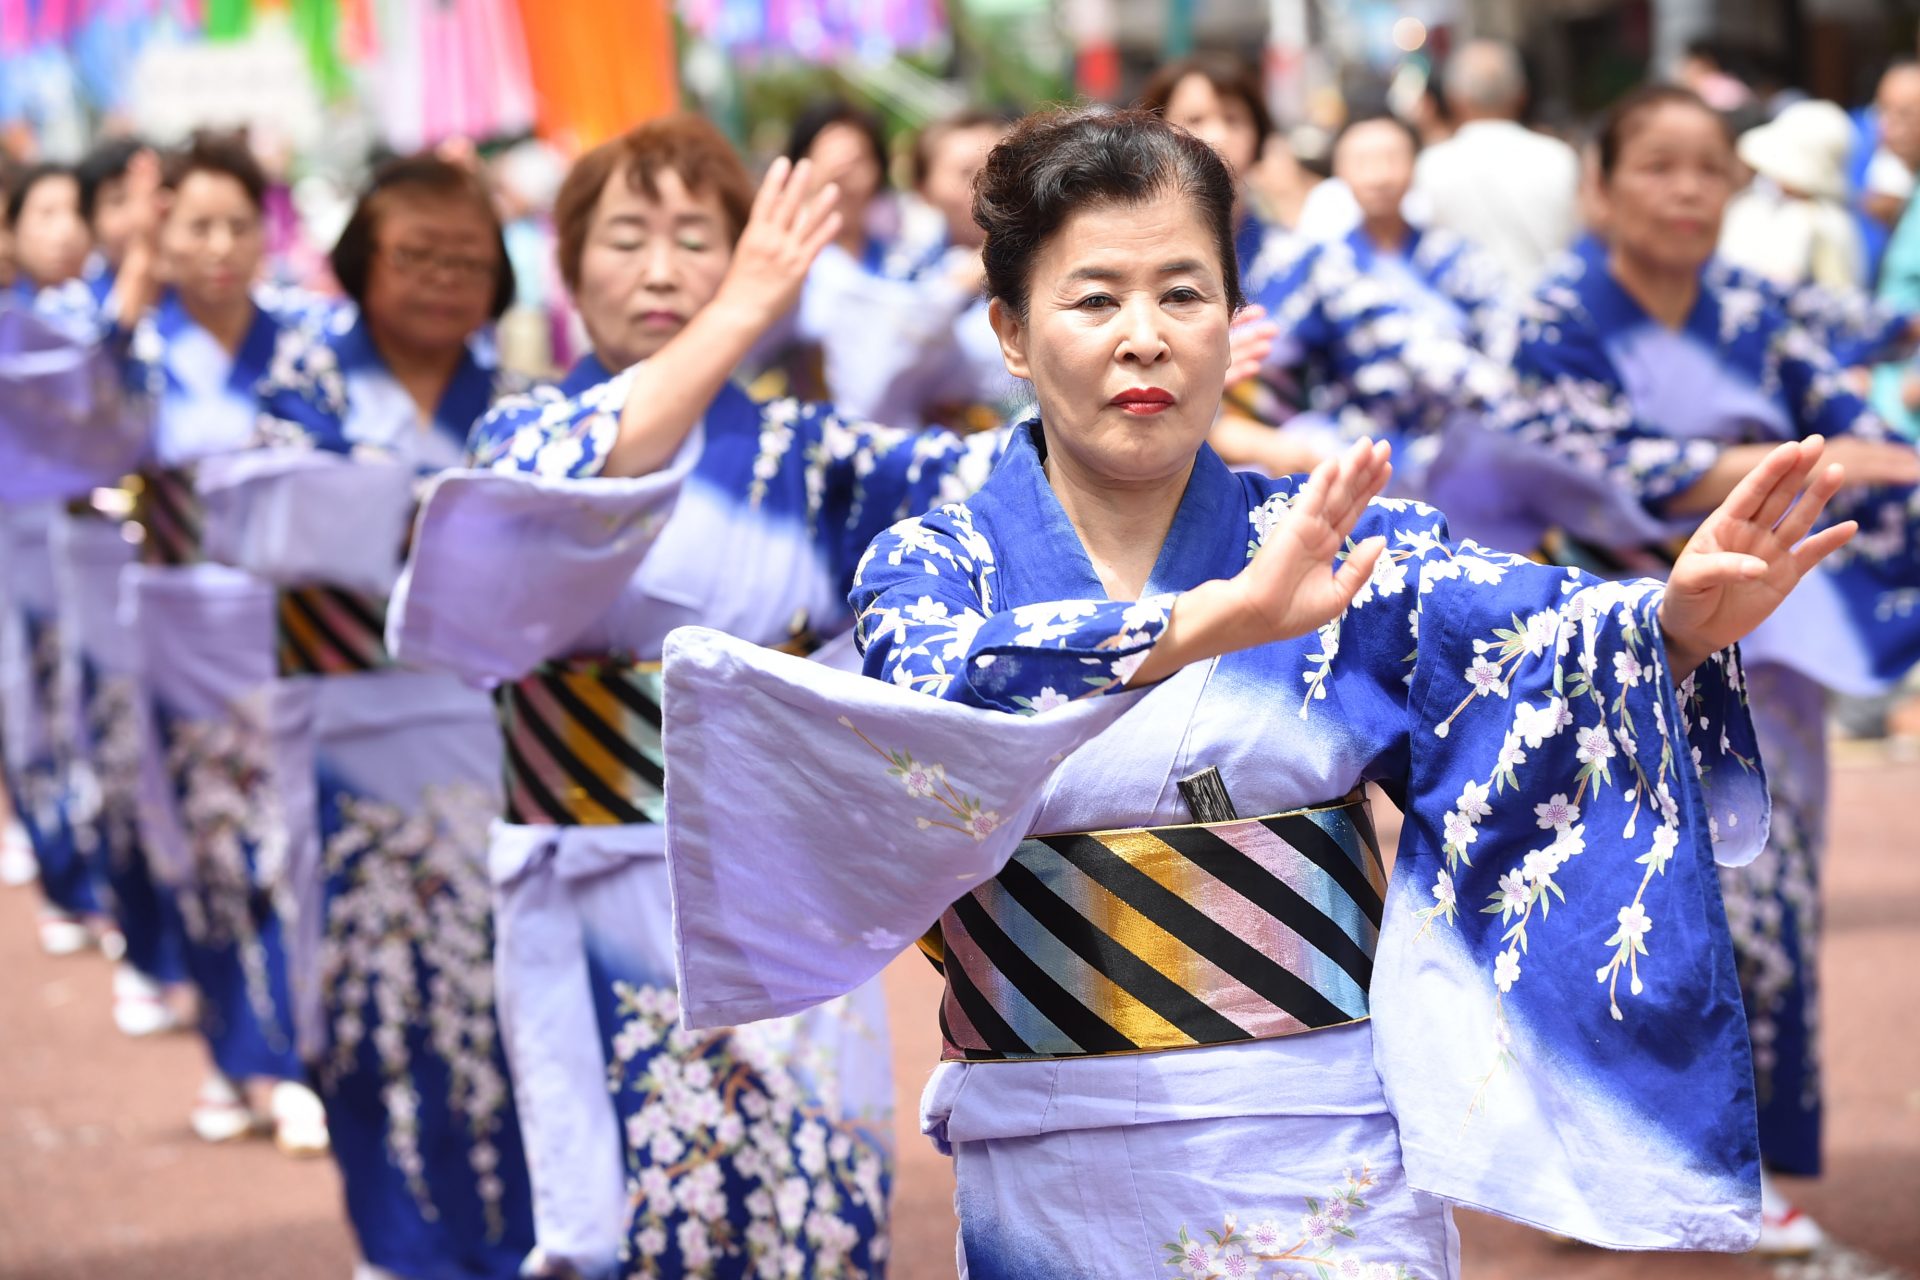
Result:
[[819, 116], [1406, 129], [24, 183], [1055, 164], [1231, 77], [107, 162], [425, 177], [224, 154], [1619, 124]]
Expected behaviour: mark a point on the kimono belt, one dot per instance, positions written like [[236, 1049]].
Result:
[[170, 515], [327, 631], [1160, 938], [582, 740]]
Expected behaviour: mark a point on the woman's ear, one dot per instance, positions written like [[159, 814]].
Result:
[[1013, 338]]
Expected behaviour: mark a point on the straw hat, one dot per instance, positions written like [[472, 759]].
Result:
[[1804, 148]]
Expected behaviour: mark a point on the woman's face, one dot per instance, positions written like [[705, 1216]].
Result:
[[435, 266], [1669, 188], [1125, 339], [952, 163], [1220, 120], [1375, 159], [648, 265], [842, 153], [212, 240], [50, 239]]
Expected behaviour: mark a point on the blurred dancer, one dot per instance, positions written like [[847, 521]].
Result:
[[1654, 380], [390, 772]]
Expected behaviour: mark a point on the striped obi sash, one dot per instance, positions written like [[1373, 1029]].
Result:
[[326, 631], [583, 740], [1165, 938], [170, 515], [583, 744]]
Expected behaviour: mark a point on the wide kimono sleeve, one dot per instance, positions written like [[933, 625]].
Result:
[[1557, 1016], [553, 555], [72, 413], [302, 517]]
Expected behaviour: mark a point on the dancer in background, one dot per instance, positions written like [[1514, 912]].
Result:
[[1654, 380], [390, 772], [647, 493]]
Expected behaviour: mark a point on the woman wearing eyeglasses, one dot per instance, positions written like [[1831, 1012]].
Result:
[[392, 950]]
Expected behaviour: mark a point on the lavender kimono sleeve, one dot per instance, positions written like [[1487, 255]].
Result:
[[923, 603], [1557, 1016], [819, 821], [69, 420], [553, 555], [299, 517]]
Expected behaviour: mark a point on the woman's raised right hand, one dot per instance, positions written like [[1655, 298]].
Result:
[[788, 227]]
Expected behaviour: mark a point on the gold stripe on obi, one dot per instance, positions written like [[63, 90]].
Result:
[[1165, 938], [326, 631], [582, 740], [170, 514]]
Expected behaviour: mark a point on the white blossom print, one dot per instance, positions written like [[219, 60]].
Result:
[[406, 968], [236, 837], [1589, 701], [741, 1162], [1286, 1246]]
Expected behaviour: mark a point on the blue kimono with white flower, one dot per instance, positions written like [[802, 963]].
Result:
[[653, 1151], [391, 775], [1556, 1031], [1355, 356], [1624, 414], [1456, 284]]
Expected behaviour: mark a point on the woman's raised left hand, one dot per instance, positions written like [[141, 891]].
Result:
[[1751, 552]]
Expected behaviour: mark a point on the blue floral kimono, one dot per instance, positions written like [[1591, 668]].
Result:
[[1455, 284], [390, 775], [1284, 1059], [656, 1152], [211, 815], [66, 425], [1355, 355], [1626, 413]]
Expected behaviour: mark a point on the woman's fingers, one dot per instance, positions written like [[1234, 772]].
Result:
[[1823, 544], [1780, 500], [1805, 513], [1783, 465], [770, 188], [1707, 570]]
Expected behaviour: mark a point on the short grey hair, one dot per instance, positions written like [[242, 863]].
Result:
[[1486, 74]]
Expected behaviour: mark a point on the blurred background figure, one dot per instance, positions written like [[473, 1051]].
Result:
[[1496, 180], [1791, 224]]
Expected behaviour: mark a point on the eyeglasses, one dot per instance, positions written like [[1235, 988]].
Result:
[[419, 262]]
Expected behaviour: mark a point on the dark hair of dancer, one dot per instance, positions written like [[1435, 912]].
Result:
[[424, 177], [1230, 76], [1056, 164]]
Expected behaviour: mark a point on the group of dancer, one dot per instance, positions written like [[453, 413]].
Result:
[[531, 782]]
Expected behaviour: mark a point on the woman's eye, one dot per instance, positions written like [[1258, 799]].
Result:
[[1184, 295], [623, 246], [693, 244], [1093, 302]]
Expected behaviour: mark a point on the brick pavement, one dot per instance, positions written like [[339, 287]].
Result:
[[100, 1179]]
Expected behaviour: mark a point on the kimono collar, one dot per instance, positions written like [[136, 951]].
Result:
[[588, 373], [1365, 251], [250, 362], [1614, 310], [468, 394], [1042, 557]]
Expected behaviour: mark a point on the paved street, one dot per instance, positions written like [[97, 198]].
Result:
[[100, 1179]]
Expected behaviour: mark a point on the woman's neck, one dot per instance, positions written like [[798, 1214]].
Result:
[[1662, 292], [422, 372], [228, 322], [1122, 525], [1388, 234]]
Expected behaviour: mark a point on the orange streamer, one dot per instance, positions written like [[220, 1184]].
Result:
[[599, 66]]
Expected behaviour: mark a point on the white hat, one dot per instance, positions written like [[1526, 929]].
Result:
[[1804, 148]]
